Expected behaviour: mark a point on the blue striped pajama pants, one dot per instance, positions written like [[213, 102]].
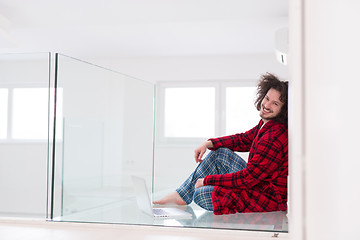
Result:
[[221, 161]]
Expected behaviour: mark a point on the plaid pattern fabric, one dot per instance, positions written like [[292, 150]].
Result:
[[203, 197], [262, 185], [220, 161]]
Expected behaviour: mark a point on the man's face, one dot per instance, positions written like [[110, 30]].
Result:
[[270, 105]]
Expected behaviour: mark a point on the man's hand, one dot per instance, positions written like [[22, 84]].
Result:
[[199, 183], [199, 152]]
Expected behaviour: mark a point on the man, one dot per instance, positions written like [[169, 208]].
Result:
[[223, 182]]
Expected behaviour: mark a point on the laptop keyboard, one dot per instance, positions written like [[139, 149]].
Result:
[[160, 212]]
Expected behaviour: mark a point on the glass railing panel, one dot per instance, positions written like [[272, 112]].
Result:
[[105, 137]]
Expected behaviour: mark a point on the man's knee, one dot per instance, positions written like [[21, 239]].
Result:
[[224, 150], [223, 153], [214, 155]]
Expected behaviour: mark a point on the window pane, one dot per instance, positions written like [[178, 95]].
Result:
[[3, 112], [241, 114], [190, 112], [30, 113]]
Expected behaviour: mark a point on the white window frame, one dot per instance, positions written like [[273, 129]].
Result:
[[220, 108], [160, 111]]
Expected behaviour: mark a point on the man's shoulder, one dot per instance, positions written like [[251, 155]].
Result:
[[278, 126], [277, 131]]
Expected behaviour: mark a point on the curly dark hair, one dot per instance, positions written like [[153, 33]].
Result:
[[266, 82]]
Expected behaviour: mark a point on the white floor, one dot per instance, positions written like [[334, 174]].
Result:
[[127, 212], [124, 221], [11, 229]]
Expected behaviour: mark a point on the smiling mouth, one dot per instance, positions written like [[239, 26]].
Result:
[[266, 110]]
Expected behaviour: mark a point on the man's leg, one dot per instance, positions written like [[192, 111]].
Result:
[[221, 161], [202, 197]]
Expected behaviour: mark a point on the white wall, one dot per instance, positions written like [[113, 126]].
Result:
[[332, 94], [329, 193], [234, 67], [23, 163]]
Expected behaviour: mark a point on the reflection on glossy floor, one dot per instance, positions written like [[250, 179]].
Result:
[[127, 212]]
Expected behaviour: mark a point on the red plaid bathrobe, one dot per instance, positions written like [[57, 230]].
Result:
[[262, 185]]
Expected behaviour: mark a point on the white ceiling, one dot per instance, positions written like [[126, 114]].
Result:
[[142, 27]]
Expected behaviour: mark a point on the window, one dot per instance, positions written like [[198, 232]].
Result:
[[189, 112], [24, 113], [30, 113], [202, 110], [241, 114]]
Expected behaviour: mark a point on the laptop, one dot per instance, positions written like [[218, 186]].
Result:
[[145, 205]]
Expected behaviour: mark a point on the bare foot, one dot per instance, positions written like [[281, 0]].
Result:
[[172, 198]]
